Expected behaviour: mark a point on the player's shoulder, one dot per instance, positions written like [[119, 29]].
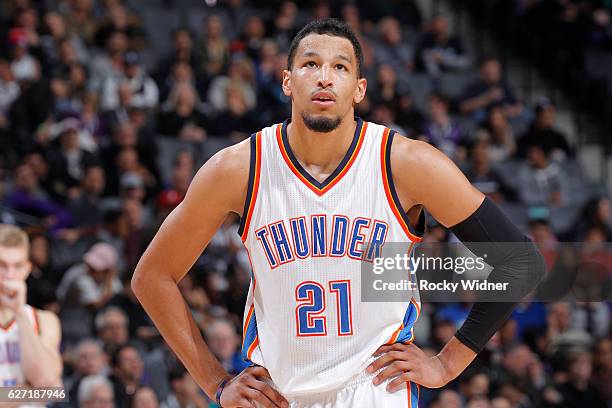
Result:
[[224, 178], [48, 323], [46, 317], [410, 154], [232, 158]]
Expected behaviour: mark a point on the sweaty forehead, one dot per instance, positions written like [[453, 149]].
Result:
[[326, 46]]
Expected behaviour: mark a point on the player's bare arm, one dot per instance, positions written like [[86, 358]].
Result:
[[218, 188], [41, 364], [426, 177]]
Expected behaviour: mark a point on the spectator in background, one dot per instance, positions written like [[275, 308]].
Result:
[[127, 374], [236, 121], [440, 130], [271, 101], [595, 213], [474, 385], [386, 88], [126, 138], [285, 24], [85, 288], [485, 178], [240, 75], [602, 368], [182, 52], [9, 92], [180, 115], [133, 173], [140, 326], [489, 90], [138, 221], [543, 134], [78, 75], [391, 49], [502, 145], [88, 359], [561, 333], [523, 370], [438, 52], [408, 116], [182, 173], [112, 328], [223, 343], [579, 391], [145, 397], [109, 63], [40, 283], [181, 72], [96, 391], [119, 19], [144, 90], [56, 32], [253, 36], [67, 162], [236, 14], [185, 391], [541, 181], [28, 197], [80, 20], [24, 66], [215, 47], [448, 399], [85, 204]]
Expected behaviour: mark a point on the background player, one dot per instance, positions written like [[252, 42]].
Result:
[[29, 338], [324, 82]]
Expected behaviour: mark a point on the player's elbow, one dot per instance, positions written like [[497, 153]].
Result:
[[138, 283], [145, 281]]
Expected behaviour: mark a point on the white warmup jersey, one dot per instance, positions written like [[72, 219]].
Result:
[[304, 320], [11, 373]]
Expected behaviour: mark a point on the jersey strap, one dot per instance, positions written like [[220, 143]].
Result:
[[385, 159], [253, 187]]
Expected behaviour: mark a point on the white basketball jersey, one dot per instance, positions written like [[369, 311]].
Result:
[[11, 374], [304, 320]]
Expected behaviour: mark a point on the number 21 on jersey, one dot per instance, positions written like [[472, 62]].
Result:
[[311, 319]]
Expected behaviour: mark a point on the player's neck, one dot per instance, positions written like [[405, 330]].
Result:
[[6, 315], [324, 151]]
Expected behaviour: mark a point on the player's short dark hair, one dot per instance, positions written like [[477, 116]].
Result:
[[327, 26]]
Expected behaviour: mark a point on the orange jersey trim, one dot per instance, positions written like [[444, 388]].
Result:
[[395, 207], [255, 188], [320, 191]]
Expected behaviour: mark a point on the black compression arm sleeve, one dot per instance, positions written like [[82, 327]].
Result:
[[514, 259]]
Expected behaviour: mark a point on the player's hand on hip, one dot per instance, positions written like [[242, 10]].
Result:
[[406, 362], [252, 389]]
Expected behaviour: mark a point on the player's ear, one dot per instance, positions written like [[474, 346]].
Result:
[[287, 82], [362, 85]]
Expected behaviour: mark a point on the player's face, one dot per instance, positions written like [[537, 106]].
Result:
[[14, 263], [323, 84]]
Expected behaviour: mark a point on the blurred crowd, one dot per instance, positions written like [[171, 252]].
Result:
[[107, 110], [570, 42]]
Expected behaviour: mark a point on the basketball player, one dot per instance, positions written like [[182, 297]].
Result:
[[29, 338], [311, 191]]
